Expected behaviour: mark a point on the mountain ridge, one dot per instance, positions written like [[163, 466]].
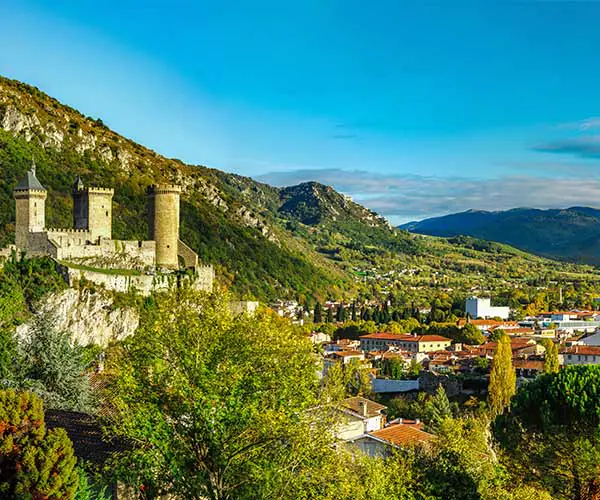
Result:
[[571, 233]]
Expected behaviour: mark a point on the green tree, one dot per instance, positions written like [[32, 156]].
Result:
[[318, 315], [220, 407], [471, 335], [438, 409], [329, 315], [551, 433], [34, 463], [341, 314], [551, 364], [502, 384], [54, 367]]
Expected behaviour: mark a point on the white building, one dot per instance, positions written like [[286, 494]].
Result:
[[482, 308]]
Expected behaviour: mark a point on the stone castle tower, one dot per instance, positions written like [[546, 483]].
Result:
[[30, 199], [163, 219], [92, 210]]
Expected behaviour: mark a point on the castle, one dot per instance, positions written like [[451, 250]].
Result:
[[88, 250]]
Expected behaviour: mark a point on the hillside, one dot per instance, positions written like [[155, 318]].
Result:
[[572, 233], [300, 242]]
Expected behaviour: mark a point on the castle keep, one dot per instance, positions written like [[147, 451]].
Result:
[[87, 250]]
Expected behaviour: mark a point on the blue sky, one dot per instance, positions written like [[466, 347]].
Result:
[[412, 108]]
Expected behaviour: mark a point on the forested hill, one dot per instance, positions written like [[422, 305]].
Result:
[[300, 242], [571, 233]]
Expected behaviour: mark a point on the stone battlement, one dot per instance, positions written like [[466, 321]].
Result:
[[164, 188], [66, 231], [26, 193]]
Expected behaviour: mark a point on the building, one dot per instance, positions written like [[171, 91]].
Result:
[[482, 308], [87, 249], [407, 341], [579, 355], [399, 434], [359, 416]]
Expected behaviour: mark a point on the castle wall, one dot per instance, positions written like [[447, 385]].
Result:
[[143, 284], [38, 245], [30, 215], [106, 253], [205, 277], [190, 258], [163, 216]]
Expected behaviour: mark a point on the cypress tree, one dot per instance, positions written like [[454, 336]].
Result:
[[353, 311], [341, 314], [502, 377], [318, 317], [551, 364], [330, 315]]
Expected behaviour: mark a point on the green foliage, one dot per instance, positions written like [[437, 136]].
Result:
[[551, 363], [53, 368], [35, 463], [551, 433], [438, 410], [502, 377], [219, 405]]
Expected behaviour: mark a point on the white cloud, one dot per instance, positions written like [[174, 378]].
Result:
[[402, 198]]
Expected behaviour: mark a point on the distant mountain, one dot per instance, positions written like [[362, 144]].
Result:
[[571, 233]]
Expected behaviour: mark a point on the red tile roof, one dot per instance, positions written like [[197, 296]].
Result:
[[587, 350], [402, 434], [344, 354], [405, 337]]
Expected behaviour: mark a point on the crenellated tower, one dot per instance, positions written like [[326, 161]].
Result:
[[92, 209], [30, 200], [163, 219]]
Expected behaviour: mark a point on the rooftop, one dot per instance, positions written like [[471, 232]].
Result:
[[354, 405], [403, 434], [30, 181], [404, 337]]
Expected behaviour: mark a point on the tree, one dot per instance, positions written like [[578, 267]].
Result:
[[341, 314], [496, 335], [551, 364], [329, 314], [220, 407], [353, 312], [34, 463], [551, 433], [502, 377], [54, 368], [471, 335], [438, 409], [318, 317]]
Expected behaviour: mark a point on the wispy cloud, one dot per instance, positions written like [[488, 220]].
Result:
[[584, 147], [407, 197]]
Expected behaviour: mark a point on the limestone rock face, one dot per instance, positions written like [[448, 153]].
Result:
[[89, 316]]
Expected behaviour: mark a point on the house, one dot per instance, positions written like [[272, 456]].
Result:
[[579, 355], [399, 434], [359, 416], [344, 357], [410, 342]]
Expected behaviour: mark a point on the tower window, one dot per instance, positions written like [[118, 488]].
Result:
[[107, 213]]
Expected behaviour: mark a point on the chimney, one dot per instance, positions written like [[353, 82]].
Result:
[[399, 420], [363, 408], [417, 421]]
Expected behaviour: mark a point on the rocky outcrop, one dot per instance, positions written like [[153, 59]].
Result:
[[89, 315]]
